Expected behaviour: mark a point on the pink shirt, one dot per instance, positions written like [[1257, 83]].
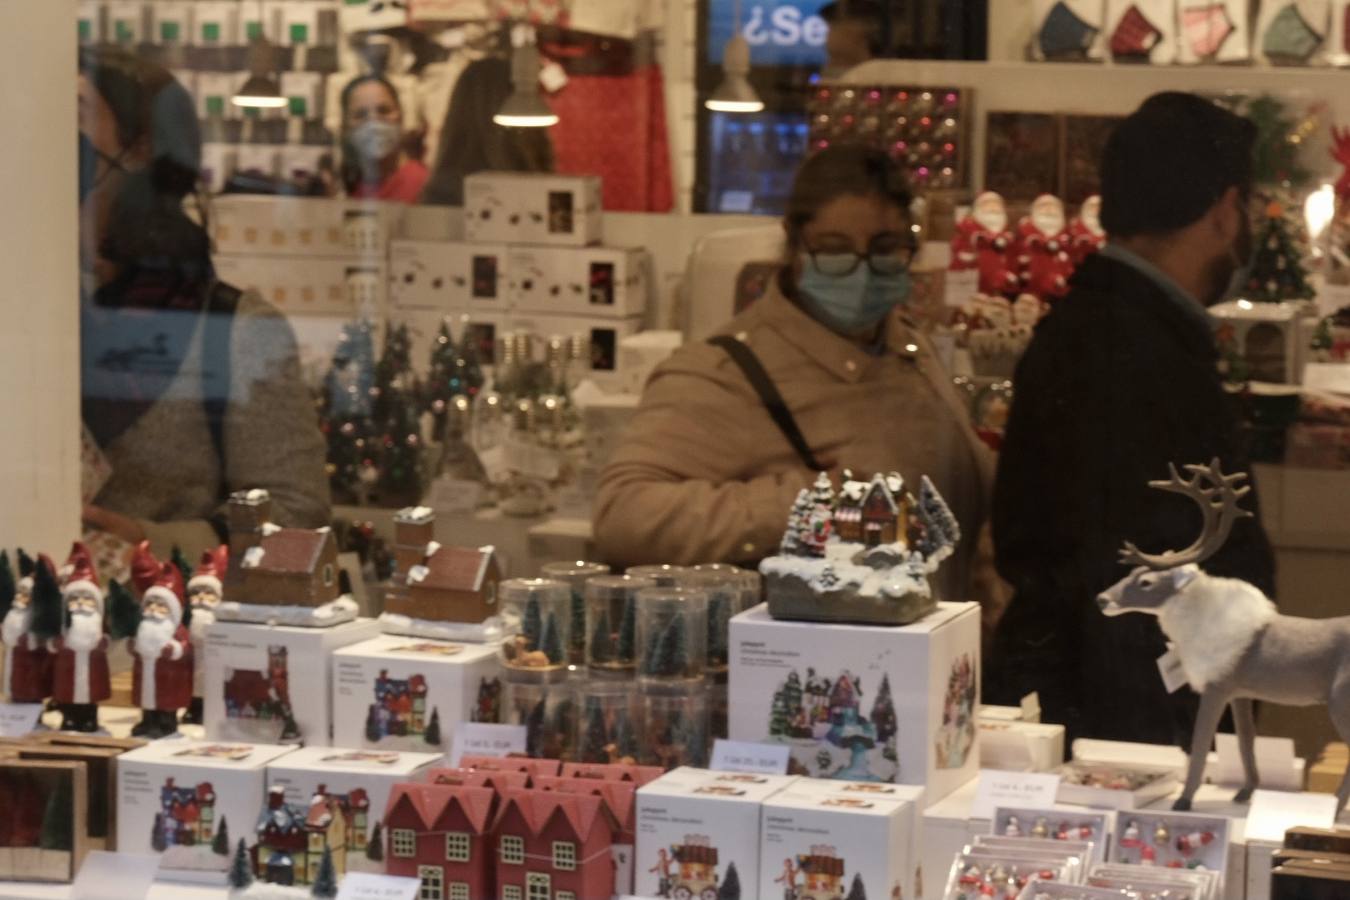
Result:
[[404, 186]]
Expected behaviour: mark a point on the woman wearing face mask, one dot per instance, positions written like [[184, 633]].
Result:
[[706, 473], [374, 165]]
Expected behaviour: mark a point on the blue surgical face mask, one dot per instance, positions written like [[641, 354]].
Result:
[[853, 302]]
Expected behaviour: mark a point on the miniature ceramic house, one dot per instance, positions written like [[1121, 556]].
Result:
[[281, 855], [551, 844], [282, 575], [439, 833], [440, 592], [339, 822], [620, 797]]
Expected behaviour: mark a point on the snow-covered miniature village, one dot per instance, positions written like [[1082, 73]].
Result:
[[862, 555]]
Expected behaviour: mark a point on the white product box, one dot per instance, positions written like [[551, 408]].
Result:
[[126, 23], [815, 844], [1146, 28], [301, 286], [449, 275], [1020, 746], [1113, 785], [176, 797], [1057, 823], [371, 15], [1213, 31], [532, 208], [694, 825], [640, 354], [270, 683], [172, 23], [353, 787], [407, 693], [1172, 840], [299, 22], [603, 335], [1272, 337], [592, 281], [356, 230], [861, 702], [215, 23], [213, 93]]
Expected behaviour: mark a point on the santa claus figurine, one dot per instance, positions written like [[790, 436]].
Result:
[[26, 676], [161, 675], [205, 589], [1043, 243], [1086, 230], [80, 679], [983, 242]]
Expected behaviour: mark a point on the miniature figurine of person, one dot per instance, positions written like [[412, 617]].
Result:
[[27, 673], [662, 870], [983, 242], [80, 677], [1013, 828], [161, 675], [1043, 242], [1088, 235], [205, 590], [789, 877]]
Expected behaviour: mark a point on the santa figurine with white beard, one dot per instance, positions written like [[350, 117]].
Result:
[[80, 680], [26, 676], [1088, 234], [982, 241], [1043, 245], [161, 676], [205, 589]]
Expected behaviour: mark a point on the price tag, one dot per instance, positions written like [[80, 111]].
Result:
[[369, 886], [1025, 789], [960, 287], [115, 876], [454, 495], [18, 719], [745, 756], [483, 739], [1169, 666], [1273, 813]]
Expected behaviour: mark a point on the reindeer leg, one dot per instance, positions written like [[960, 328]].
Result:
[[1339, 707], [1212, 702], [1244, 721]]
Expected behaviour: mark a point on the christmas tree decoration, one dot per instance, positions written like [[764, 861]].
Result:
[[325, 884], [241, 873], [433, 733], [454, 372], [673, 634], [576, 574], [375, 845], [879, 547], [611, 622], [541, 610], [347, 413], [1281, 134], [220, 844], [1277, 273]]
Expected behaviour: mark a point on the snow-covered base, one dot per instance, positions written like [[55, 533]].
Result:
[[818, 758], [343, 609], [254, 731], [852, 583], [198, 858], [490, 630], [262, 890]]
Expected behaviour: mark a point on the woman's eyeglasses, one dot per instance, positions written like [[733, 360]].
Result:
[[885, 256]]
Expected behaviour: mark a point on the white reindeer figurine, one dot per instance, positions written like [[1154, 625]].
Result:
[[1233, 645]]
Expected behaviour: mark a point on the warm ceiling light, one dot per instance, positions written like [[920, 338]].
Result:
[[259, 92], [525, 108], [735, 94]]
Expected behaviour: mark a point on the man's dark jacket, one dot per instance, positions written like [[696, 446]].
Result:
[[1118, 381]]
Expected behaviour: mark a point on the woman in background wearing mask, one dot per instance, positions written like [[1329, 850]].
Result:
[[705, 473], [374, 165]]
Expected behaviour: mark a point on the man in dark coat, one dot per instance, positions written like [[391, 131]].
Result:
[[1120, 380]]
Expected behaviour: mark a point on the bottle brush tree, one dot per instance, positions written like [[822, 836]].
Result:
[[220, 844], [375, 846], [240, 875], [325, 879]]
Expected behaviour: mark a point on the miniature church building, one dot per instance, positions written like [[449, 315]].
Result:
[[436, 584]]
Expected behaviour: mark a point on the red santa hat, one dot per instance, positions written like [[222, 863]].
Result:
[[167, 589], [83, 579], [210, 571], [144, 568], [78, 551]]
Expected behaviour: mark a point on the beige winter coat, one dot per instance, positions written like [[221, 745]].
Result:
[[703, 473]]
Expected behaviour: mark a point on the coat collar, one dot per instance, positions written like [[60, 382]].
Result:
[[1102, 274]]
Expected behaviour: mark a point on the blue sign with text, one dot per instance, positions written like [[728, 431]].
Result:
[[779, 32]]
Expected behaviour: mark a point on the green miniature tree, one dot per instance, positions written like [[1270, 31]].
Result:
[[8, 584], [220, 844], [578, 633], [730, 888], [551, 643], [325, 879], [433, 733], [625, 737], [628, 630], [1277, 272], [718, 628], [48, 611], [58, 821], [185, 570], [454, 371], [602, 643], [532, 625], [241, 873], [534, 730], [375, 846], [157, 841], [124, 613], [671, 656], [595, 737], [883, 711], [779, 716], [856, 891]]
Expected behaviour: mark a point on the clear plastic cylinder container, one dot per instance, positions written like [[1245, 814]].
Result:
[[575, 574], [724, 590], [544, 701], [665, 575], [611, 624], [541, 611], [672, 634], [607, 722], [675, 725]]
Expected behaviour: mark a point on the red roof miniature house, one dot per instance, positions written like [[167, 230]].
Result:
[[620, 797], [524, 764], [440, 834], [438, 592], [187, 814], [555, 845], [639, 775], [497, 781], [281, 854]]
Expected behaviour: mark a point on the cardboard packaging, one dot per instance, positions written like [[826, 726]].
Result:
[[696, 827], [406, 693], [601, 282], [532, 208], [449, 276], [191, 802], [270, 683], [837, 840], [640, 354], [863, 703], [1020, 746], [347, 789], [298, 287], [39, 795], [358, 231], [603, 336]]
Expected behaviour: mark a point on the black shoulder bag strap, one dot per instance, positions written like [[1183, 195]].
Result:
[[750, 366], [222, 301]]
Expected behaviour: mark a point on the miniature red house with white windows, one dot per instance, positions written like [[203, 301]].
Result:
[[620, 798], [554, 845], [440, 834]]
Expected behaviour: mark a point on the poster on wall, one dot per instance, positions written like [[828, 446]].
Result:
[[779, 32]]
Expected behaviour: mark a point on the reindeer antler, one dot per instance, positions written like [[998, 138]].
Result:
[[1217, 495]]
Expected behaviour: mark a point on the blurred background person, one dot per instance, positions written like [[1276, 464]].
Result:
[[375, 163], [857, 33]]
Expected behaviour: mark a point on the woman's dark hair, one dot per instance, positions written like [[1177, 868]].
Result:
[[350, 169], [1170, 161], [843, 170]]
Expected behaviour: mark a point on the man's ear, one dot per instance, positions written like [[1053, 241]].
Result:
[[1228, 214]]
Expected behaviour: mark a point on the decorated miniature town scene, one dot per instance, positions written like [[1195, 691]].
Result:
[[439, 592], [862, 702], [406, 693], [863, 555], [271, 684], [43, 827], [575, 573], [280, 576], [539, 616], [189, 801], [611, 624], [1172, 840], [30, 616]]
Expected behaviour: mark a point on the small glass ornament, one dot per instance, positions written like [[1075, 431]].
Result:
[[611, 623], [540, 609], [672, 634]]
